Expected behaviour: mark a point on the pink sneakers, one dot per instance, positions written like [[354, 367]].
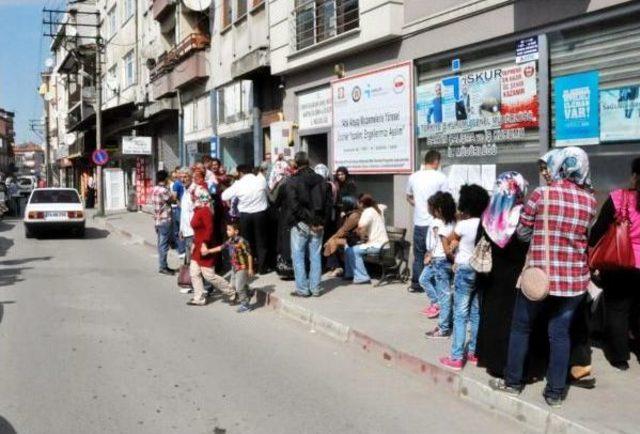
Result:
[[448, 362], [471, 358], [432, 311]]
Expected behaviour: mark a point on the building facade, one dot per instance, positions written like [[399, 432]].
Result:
[[29, 159], [7, 141]]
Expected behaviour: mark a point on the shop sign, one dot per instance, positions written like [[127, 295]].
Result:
[[372, 130], [620, 114], [281, 134], [314, 109], [491, 101], [213, 147], [576, 109], [136, 145], [527, 49]]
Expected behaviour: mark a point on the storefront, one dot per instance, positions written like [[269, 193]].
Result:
[[235, 126]]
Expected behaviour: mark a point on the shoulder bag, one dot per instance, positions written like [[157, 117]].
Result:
[[481, 260], [534, 281], [614, 250]]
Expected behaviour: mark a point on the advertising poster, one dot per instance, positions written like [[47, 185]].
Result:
[[281, 139], [490, 99], [519, 102], [576, 104], [620, 114], [372, 131]]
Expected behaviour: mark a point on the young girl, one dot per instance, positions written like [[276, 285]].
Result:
[[436, 276], [473, 201]]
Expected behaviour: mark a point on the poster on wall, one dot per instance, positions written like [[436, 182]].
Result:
[[372, 131], [314, 109], [281, 135], [620, 114], [576, 104], [493, 99]]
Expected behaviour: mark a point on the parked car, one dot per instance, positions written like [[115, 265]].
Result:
[[26, 184], [53, 210]]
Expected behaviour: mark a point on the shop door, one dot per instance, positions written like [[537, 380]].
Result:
[[317, 149]]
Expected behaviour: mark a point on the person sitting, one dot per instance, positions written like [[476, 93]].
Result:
[[345, 235], [372, 231]]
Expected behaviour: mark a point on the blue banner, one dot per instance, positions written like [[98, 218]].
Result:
[[576, 104]]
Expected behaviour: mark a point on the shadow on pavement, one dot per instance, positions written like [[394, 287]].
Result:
[[6, 427], [9, 276], [90, 234], [261, 295], [2, 303], [11, 262]]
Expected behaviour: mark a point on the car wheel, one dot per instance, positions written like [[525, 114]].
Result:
[[28, 233]]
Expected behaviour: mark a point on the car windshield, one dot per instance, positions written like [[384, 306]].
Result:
[[55, 196]]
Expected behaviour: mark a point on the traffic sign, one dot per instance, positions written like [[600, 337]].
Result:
[[100, 157]]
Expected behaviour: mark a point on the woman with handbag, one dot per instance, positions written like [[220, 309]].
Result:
[[620, 282], [497, 287], [556, 220]]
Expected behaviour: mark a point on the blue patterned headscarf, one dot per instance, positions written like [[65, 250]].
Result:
[[570, 163], [501, 217]]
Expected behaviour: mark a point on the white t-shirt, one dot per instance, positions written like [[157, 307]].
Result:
[[376, 230], [467, 231], [251, 192], [437, 231], [422, 185]]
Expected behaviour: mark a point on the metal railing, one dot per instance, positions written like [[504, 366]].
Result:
[[314, 21], [168, 60]]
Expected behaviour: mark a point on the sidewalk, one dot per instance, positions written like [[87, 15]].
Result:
[[385, 323]]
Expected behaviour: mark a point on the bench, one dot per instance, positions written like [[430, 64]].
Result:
[[393, 257]]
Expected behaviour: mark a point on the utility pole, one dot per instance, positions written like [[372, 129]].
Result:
[[98, 110], [47, 146]]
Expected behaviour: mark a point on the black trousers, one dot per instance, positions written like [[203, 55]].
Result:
[[253, 227], [621, 292]]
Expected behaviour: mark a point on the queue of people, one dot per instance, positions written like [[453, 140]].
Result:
[[473, 257]]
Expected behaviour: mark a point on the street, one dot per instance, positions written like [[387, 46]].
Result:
[[94, 340]]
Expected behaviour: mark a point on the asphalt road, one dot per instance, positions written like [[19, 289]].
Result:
[[92, 340]]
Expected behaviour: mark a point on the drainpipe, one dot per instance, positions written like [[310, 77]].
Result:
[[181, 151]]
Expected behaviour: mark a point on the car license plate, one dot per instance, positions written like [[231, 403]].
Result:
[[55, 215]]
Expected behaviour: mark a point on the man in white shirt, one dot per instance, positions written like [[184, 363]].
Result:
[[251, 192], [421, 186]]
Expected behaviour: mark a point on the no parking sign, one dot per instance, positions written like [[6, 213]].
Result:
[[100, 157]]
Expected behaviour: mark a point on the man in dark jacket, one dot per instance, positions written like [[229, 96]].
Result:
[[309, 201]]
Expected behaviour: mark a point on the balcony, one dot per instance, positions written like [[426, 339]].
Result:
[[77, 113], [180, 66], [161, 7], [315, 21]]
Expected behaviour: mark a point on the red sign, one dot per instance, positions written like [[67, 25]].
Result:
[[100, 157]]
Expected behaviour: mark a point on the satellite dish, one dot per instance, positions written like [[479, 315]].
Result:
[[197, 5], [112, 84], [49, 62], [69, 139]]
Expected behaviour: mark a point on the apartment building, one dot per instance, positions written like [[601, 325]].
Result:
[[374, 84], [7, 138], [29, 159]]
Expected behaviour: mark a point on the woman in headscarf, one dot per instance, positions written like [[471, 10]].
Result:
[[571, 207], [345, 235], [344, 187], [497, 288], [202, 266], [280, 174]]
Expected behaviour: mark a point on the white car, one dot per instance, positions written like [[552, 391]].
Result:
[[54, 209]]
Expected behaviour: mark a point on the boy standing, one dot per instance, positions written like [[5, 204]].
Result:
[[241, 264]]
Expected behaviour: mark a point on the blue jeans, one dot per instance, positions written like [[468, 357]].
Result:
[[419, 249], [175, 214], [466, 310], [303, 240], [560, 311], [436, 282], [354, 267], [163, 231]]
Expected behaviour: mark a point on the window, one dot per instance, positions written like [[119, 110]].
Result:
[[241, 8], [227, 12], [129, 9], [129, 69], [256, 3], [319, 20], [111, 22]]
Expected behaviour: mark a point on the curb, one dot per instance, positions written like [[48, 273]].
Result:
[[534, 417]]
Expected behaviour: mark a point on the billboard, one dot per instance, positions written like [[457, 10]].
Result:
[[620, 114], [576, 105], [372, 126]]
